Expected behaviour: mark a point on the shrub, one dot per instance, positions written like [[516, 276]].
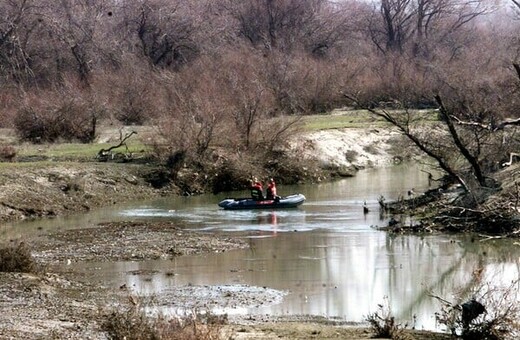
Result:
[[17, 258], [67, 113], [490, 313], [135, 96], [134, 324], [351, 155], [383, 323], [234, 173], [68, 121], [7, 153]]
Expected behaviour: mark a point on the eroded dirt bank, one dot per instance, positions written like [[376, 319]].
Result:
[[48, 189]]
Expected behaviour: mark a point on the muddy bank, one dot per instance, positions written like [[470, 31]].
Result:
[[128, 241], [62, 304], [48, 189]]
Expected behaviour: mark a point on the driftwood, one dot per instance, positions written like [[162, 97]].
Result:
[[105, 154]]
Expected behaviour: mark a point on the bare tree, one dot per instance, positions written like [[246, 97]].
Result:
[[19, 23], [251, 101], [472, 158], [418, 24], [164, 30], [196, 109], [71, 39], [287, 25], [472, 139], [404, 122]]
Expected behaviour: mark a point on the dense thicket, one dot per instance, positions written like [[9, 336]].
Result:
[[211, 71]]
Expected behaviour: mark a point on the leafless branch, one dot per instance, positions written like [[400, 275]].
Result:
[[103, 153], [405, 130], [491, 127]]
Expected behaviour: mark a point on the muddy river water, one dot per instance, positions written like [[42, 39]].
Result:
[[325, 258]]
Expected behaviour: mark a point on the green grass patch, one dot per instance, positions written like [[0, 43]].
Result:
[[27, 165], [75, 150], [340, 119]]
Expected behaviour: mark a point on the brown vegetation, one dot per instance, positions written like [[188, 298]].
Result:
[[303, 52], [7, 153], [383, 323]]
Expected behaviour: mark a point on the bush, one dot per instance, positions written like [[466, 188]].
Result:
[[135, 96], [17, 258], [134, 324], [67, 121], [490, 313], [7, 153], [383, 323], [234, 173]]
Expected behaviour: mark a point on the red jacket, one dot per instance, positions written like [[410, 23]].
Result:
[[257, 191], [271, 190]]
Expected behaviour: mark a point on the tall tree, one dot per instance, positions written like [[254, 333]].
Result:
[[288, 25], [164, 31], [401, 25], [71, 33]]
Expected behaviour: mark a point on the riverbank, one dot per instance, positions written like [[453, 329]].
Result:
[[59, 302], [62, 304], [57, 186]]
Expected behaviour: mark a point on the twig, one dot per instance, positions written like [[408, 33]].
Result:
[[487, 237]]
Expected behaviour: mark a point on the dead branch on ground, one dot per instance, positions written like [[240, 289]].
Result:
[[104, 154]]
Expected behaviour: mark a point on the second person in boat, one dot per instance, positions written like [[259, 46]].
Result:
[[271, 190]]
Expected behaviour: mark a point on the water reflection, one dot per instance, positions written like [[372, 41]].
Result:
[[335, 275]]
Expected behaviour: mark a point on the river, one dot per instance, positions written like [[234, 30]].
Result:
[[325, 257]]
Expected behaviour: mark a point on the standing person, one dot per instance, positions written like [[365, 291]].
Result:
[[257, 191], [271, 190]]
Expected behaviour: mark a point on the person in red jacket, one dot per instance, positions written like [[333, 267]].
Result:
[[257, 191], [271, 190]]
